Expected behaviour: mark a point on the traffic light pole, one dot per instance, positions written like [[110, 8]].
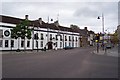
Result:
[[97, 41], [103, 30], [97, 47]]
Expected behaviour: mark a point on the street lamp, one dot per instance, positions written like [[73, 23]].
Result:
[[102, 28]]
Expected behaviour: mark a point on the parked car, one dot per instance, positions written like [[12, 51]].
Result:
[[109, 45]]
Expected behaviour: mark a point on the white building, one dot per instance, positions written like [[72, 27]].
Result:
[[50, 35]]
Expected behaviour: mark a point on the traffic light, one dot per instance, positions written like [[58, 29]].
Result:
[[97, 37]]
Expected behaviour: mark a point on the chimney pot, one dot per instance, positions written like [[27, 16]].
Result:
[[26, 17], [85, 28]]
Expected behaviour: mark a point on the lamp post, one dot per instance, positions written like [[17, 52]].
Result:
[[102, 28]]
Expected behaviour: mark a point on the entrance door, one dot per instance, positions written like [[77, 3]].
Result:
[[50, 46]]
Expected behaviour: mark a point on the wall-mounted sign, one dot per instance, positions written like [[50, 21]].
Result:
[[6, 33]]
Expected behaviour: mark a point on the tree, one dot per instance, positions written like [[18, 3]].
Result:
[[115, 38], [75, 27], [21, 31]]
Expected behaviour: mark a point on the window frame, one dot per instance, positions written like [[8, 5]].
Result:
[[28, 43], [6, 46], [13, 43], [22, 43], [1, 43]]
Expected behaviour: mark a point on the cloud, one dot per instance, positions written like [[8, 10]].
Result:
[[85, 12], [79, 13], [119, 13], [60, 1]]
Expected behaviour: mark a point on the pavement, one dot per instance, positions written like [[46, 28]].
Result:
[[109, 52], [22, 52], [35, 51]]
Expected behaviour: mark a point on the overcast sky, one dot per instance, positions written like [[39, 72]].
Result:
[[83, 14]]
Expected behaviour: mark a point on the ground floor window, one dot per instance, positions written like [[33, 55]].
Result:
[[69, 44], [12, 43], [28, 43], [60, 44], [36, 43], [1, 43], [76, 44], [22, 43], [65, 43], [6, 43], [41, 43], [56, 44], [72, 44]]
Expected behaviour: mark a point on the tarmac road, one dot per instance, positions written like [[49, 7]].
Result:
[[74, 63]]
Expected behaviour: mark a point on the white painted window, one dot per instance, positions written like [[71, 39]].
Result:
[[72, 44], [69, 44], [6, 43], [36, 43], [60, 37], [76, 39], [50, 36], [65, 43], [56, 44], [42, 38], [22, 43], [28, 43], [12, 43], [65, 38], [60, 44], [41, 43], [56, 37], [69, 38], [1, 43], [76, 44]]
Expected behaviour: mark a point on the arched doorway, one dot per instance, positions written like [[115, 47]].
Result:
[[50, 45]]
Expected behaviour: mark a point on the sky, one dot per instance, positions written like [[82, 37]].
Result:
[[80, 13]]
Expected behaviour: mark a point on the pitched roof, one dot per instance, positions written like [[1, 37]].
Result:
[[8, 19], [13, 20], [35, 23]]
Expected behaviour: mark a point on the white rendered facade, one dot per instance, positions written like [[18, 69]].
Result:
[[7, 43]]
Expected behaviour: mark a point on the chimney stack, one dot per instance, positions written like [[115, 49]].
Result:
[[26, 17], [40, 21], [85, 28]]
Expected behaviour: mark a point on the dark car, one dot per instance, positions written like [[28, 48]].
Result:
[[109, 45]]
